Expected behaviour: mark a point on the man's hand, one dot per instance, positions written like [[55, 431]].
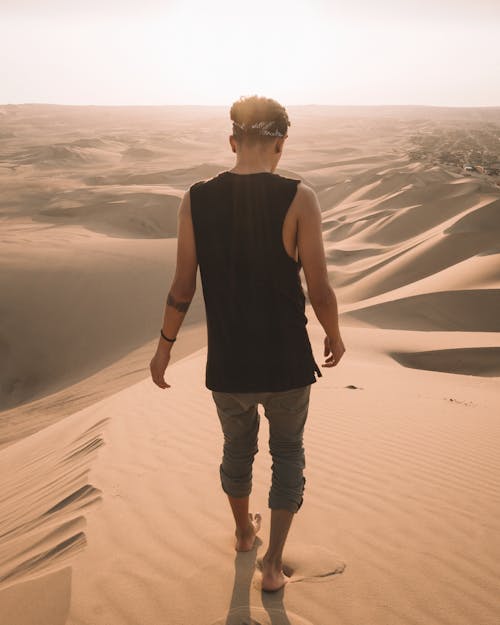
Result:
[[334, 349], [158, 365]]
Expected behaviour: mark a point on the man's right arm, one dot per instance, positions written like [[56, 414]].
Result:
[[312, 256]]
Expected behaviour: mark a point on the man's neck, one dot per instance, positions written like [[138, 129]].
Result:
[[251, 167], [248, 171]]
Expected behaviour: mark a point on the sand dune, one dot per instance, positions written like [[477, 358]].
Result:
[[82, 285], [483, 219], [172, 177], [484, 361], [413, 243], [77, 153], [59, 400], [398, 524], [472, 310], [114, 212]]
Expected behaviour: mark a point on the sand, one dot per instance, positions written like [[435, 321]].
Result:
[[111, 510]]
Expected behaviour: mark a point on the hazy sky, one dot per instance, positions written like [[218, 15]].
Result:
[[202, 52]]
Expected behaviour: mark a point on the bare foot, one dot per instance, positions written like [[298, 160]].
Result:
[[245, 540], [273, 577]]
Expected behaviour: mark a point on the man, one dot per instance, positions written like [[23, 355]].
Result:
[[251, 230]]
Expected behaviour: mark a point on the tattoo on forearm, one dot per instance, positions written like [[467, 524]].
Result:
[[178, 305]]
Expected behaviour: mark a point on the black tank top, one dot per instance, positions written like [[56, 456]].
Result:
[[254, 301]]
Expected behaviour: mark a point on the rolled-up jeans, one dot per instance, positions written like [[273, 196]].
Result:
[[286, 412]]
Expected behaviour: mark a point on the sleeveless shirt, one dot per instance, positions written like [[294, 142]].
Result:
[[254, 301]]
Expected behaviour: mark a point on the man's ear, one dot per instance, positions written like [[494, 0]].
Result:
[[231, 142]]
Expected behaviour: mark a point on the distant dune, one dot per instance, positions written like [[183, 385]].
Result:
[[115, 212]]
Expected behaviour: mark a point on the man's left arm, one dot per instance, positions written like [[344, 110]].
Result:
[[181, 291]]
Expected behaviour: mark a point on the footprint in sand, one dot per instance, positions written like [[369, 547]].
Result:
[[252, 615], [307, 563]]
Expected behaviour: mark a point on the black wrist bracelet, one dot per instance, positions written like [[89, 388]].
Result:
[[166, 337]]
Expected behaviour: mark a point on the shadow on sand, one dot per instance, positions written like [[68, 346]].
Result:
[[241, 612]]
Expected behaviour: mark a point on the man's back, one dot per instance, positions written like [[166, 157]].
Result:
[[257, 337]]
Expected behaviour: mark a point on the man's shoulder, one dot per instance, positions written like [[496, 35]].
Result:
[[201, 193], [304, 197], [305, 191], [204, 182], [196, 191], [197, 184]]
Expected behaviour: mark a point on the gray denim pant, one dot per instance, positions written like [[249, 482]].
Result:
[[286, 412]]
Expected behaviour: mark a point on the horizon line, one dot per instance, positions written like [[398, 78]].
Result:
[[229, 104]]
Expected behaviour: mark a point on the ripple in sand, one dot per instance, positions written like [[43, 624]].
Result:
[[251, 615], [45, 494]]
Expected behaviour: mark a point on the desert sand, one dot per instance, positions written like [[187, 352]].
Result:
[[111, 511]]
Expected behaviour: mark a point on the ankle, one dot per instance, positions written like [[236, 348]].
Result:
[[273, 561], [240, 531]]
